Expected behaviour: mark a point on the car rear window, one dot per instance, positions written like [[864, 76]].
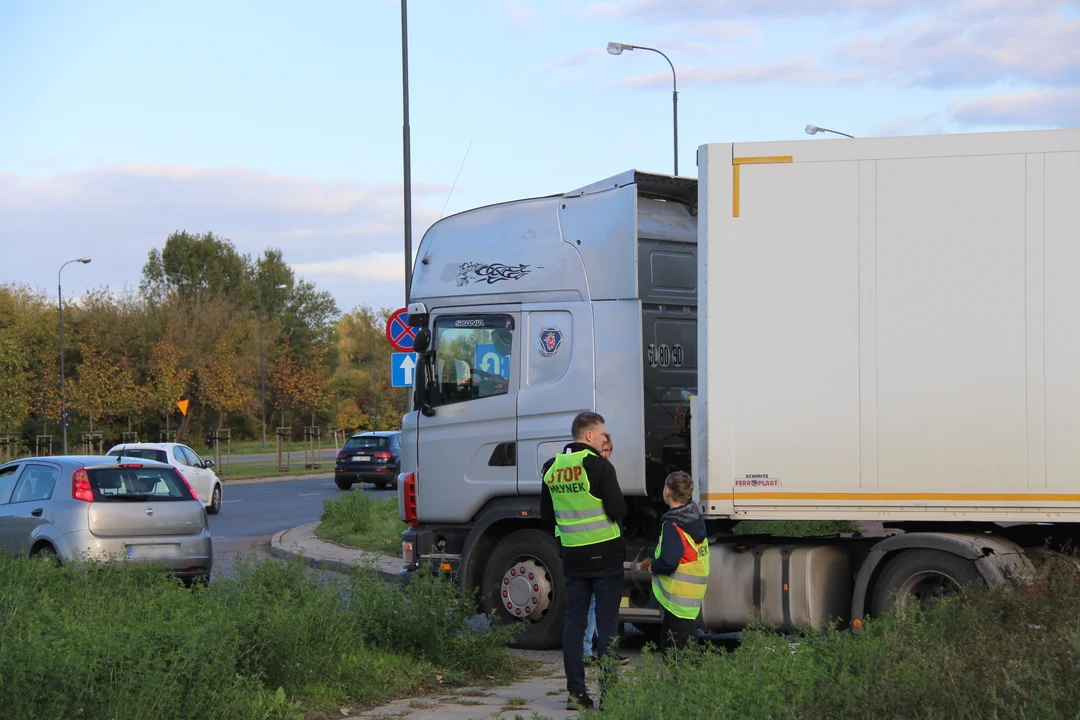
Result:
[[142, 454], [134, 484], [366, 443]]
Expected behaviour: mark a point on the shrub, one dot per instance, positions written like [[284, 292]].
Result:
[[123, 641], [992, 653], [356, 520]]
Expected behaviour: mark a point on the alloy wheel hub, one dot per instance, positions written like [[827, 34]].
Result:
[[525, 589]]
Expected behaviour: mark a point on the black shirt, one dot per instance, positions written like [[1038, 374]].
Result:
[[604, 486]]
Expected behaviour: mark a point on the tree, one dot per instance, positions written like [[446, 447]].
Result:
[[362, 376], [223, 384], [44, 392], [192, 265], [14, 394], [96, 388], [168, 380]]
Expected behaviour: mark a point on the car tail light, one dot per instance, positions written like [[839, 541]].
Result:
[[80, 486], [190, 489], [409, 500], [383, 456], [342, 455]]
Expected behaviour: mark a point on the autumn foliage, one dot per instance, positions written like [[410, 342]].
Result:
[[192, 331]]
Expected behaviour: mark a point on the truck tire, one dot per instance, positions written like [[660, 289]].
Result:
[[918, 576], [513, 596]]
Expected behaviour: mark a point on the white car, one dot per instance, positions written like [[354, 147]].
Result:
[[196, 471]]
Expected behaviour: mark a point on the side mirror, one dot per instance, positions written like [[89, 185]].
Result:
[[422, 341], [422, 385], [208, 464]]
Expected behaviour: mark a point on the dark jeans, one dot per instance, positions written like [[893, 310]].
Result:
[[606, 585], [676, 631]]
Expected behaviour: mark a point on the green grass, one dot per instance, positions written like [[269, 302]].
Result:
[[255, 447], [271, 642], [356, 520], [796, 528], [991, 654]]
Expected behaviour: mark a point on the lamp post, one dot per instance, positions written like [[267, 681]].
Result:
[[60, 306], [615, 48], [814, 130], [262, 372]]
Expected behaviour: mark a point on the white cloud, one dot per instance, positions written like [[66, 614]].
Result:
[[910, 125], [973, 47], [577, 59], [797, 71], [386, 266], [1036, 108], [119, 213]]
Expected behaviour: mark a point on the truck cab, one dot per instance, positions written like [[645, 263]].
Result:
[[529, 313]]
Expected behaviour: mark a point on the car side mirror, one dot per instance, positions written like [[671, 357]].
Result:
[[208, 464]]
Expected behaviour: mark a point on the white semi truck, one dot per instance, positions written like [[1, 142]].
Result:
[[882, 330]]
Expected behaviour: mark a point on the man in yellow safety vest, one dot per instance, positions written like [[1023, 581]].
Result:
[[581, 500], [680, 569]]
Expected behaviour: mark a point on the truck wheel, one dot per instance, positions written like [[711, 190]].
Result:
[[523, 583], [917, 577]]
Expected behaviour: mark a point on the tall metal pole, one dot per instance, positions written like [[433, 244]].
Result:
[[675, 112], [63, 407], [262, 375], [615, 48], [60, 306], [407, 159], [407, 162]]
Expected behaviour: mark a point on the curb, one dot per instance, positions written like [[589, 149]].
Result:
[[389, 569]]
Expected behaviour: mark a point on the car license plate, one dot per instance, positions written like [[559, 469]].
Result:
[[361, 458], [153, 552]]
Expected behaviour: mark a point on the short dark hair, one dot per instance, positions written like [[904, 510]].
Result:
[[681, 486], [583, 422]]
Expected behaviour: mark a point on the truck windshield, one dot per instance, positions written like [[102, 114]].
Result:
[[473, 357]]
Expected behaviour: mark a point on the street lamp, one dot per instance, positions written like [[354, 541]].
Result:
[[262, 372], [814, 130], [60, 305], [615, 48]]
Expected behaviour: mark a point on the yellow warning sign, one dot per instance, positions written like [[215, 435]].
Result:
[[182, 406]]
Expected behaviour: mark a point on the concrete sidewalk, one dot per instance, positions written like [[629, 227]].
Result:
[[543, 695], [301, 542]]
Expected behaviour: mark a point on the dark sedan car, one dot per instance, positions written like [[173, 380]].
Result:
[[373, 457]]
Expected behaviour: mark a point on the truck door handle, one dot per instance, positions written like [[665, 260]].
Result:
[[37, 513], [504, 455]]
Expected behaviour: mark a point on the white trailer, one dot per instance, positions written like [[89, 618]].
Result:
[[890, 328], [875, 329]]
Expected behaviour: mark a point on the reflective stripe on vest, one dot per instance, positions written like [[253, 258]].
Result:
[[579, 516], [681, 592]]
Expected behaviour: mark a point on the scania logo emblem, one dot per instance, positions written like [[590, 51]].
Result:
[[150, 511]]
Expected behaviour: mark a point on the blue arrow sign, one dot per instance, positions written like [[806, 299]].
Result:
[[402, 369], [490, 361]]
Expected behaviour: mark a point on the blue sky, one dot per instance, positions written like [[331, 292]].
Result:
[[279, 123]]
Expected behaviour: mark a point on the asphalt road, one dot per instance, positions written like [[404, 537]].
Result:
[[251, 514]]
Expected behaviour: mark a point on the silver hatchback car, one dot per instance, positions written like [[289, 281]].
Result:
[[93, 507]]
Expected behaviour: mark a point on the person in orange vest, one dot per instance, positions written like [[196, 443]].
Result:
[[680, 568]]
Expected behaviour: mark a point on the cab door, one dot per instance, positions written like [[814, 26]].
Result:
[[467, 440]]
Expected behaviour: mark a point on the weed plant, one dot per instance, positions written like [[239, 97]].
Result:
[[356, 520], [990, 653], [272, 641]]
